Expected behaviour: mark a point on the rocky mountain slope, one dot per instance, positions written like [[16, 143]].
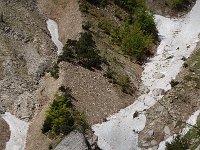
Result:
[[27, 54]]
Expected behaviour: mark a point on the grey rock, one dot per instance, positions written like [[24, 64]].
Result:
[[73, 141], [167, 132], [146, 144], [93, 140], [154, 142], [160, 109], [158, 92], [151, 133], [158, 75], [154, 148]]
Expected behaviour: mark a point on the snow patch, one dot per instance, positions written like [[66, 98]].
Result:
[[120, 132], [53, 29], [18, 130]]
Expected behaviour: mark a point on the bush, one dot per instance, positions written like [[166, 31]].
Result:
[[54, 71], [87, 25], [118, 14], [188, 141], [130, 5], [101, 3], [135, 42], [106, 26], [146, 22], [62, 117], [178, 143], [174, 83], [82, 52], [177, 4], [84, 7], [122, 80]]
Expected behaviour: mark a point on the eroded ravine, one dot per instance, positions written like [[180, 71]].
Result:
[[179, 38]]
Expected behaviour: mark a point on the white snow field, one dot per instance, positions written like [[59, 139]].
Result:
[[53, 29], [18, 129], [179, 38]]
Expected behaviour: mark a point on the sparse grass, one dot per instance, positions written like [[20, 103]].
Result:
[[191, 140], [194, 69], [120, 79], [177, 4]]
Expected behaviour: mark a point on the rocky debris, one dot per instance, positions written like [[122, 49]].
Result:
[[151, 133], [73, 141], [158, 92], [158, 75], [167, 132], [26, 52], [170, 57], [143, 89], [136, 113], [93, 142]]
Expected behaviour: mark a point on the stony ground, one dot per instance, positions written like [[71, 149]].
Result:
[[168, 116], [26, 51]]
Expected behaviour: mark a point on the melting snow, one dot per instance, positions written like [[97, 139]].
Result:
[[178, 38], [18, 130], [53, 29]]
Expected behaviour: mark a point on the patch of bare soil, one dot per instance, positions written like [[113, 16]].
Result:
[[168, 116], [5, 133], [160, 7], [67, 15], [95, 96]]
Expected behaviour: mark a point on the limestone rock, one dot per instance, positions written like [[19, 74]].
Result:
[[157, 92], [158, 75], [74, 141]]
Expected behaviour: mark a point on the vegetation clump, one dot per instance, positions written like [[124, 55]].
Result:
[[190, 140], [122, 80], [177, 4], [54, 71], [62, 117], [83, 52]]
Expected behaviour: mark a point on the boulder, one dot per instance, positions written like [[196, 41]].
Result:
[[73, 141], [158, 75], [158, 92]]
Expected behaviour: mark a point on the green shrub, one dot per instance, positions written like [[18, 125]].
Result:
[[146, 22], [101, 3], [178, 144], [84, 7], [174, 83], [105, 25], [122, 80], [87, 25], [62, 117], [54, 71], [118, 14], [190, 140], [177, 4], [135, 43], [83, 52], [130, 5]]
